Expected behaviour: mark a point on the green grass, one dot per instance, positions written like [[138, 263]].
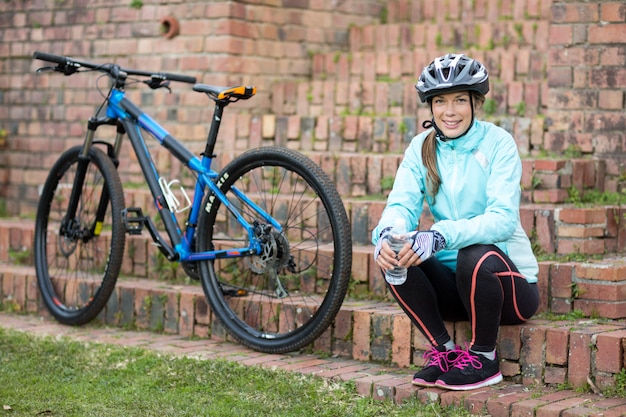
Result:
[[60, 377]]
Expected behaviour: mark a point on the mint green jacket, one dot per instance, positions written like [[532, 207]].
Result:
[[478, 200]]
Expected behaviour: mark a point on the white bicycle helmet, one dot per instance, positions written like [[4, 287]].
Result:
[[451, 73]]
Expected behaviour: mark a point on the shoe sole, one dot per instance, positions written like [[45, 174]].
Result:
[[422, 383], [484, 383]]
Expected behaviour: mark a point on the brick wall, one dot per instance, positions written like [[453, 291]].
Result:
[[220, 42], [587, 81], [331, 78]]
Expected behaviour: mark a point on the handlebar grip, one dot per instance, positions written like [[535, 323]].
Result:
[[57, 59], [180, 78]]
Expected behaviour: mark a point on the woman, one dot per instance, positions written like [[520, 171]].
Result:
[[476, 262]]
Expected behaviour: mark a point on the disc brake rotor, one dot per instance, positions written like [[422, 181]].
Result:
[[274, 254]]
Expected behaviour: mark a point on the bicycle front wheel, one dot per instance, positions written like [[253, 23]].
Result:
[[78, 257], [286, 296]]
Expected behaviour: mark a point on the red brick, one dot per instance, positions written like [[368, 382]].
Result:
[[404, 392], [612, 33], [574, 12], [361, 335], [580, 232], [501, 406], [603, 292], [509, 344], [387, 388], [561, 279], [556, 409], [531, 356], [186, 319], [584, 246], [401, 340], [526, 408], [555, 375], [582, 215], [544, 224], [615, 271], [609, 353], [452, 399], [579, 364], [557, 343], [550, 196], [610, 310]]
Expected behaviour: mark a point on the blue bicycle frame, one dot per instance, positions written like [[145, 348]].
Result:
[[122, 111]]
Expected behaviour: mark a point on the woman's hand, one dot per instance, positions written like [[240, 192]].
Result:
[[419, 247], [386, 258]]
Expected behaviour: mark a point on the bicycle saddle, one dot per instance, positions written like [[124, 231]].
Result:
[[226, 93]]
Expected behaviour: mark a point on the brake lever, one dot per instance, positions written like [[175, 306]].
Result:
[[155, 83], [46, 69]]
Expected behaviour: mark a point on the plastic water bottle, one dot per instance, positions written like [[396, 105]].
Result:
[[397, 275]]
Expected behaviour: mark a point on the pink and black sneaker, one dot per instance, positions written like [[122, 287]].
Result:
[[470, 371], [438, 363]]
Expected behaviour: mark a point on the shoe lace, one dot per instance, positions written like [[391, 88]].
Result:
[[441, 359], [465, 359]]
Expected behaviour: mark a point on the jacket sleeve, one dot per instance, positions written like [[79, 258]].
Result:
[[499, 220], [406, 198]]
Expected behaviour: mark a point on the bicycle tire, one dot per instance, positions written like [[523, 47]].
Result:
[[77, 269], [285, 298]]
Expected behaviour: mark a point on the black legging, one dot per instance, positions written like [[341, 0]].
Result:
[[487, 289]]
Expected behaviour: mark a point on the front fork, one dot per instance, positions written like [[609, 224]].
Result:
[[71, 226]]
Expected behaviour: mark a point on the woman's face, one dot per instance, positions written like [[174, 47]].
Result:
[[452, 113]]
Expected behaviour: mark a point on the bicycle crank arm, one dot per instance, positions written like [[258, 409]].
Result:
[[134, 220]]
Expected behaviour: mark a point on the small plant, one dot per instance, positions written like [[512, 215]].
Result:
[[519, 32], [535, 182], [20, 256], [520, 108], [619, 389], [386, 183], [3, 137], [438, 40], [384, 15], [147, 303], [136, 4], [403, 128], [573, 151]]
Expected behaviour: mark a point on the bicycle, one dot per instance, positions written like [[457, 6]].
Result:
[[267, 236]]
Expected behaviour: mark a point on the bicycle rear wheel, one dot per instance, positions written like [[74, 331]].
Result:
[[78, 259], [284, 298]]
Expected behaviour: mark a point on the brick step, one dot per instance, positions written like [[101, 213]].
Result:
[[484, 11], [596, 288], [388, 95], [541, 351], [427, 36], [357, 173], [555, 229]]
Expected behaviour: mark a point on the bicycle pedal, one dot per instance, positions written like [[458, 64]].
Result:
[[133, 220], [234, 292]]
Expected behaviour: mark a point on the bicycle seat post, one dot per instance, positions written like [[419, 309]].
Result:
[[215, 126]]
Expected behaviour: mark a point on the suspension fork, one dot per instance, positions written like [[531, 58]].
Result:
[[81, 172]]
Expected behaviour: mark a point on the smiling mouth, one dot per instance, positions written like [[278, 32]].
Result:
[[452, 125]]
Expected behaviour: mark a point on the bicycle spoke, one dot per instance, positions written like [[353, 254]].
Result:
[[292, 289]]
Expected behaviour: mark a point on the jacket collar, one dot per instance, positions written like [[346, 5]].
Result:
[[467, 142]]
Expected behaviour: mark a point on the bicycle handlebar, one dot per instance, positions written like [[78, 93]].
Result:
[[69, 66]]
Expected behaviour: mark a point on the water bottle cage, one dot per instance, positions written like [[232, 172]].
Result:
[[174, 203]]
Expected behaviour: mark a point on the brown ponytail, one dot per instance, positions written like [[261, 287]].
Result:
[[429, 159]]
